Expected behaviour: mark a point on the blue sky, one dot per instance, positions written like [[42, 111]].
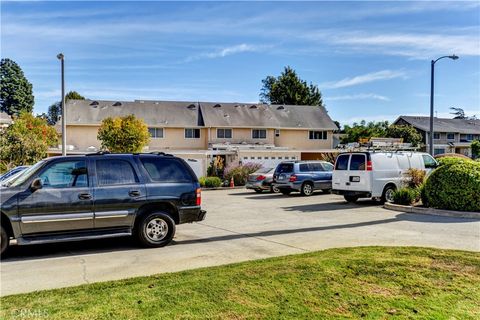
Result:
[[371, 60]]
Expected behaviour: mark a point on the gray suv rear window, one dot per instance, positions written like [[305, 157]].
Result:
[[284, 168], [166, 170], [115, 172]]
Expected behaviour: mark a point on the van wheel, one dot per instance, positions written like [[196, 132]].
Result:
[[155, 230], [387, 195], [351, 199], [285, 192], [307, 189], [4, 240]]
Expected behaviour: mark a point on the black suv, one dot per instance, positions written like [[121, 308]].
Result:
[[98, 196]]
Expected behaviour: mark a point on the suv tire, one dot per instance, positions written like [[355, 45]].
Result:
[[274, 189], [4, 240], [387, 195], [155, 229], [307, 189], [351, 199]]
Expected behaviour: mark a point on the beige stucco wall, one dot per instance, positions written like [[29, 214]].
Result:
[[240, 135], [82, 137], [299, 139]]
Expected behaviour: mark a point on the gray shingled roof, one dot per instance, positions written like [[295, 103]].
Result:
[[443, 124], [178, 114], [269, 116], [154, 113]]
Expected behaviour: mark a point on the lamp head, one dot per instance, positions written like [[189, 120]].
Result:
[[60, 56], [453, 57]]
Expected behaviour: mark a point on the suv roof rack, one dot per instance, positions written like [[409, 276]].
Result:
[[99, 153]]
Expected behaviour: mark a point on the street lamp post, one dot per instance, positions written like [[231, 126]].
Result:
[[432, 80], [61, 57]]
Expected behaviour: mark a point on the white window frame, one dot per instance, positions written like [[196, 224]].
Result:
[[324, 135], [224, 129], [266, 134], [156, 129], [193, 135], [277, 132]]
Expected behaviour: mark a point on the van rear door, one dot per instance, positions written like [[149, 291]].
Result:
[[340, 173], [358, 176]]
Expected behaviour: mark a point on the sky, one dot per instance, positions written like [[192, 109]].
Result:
[[370, 60]]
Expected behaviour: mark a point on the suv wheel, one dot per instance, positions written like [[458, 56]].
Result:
[[155, 229], [307, 189], [351, 199], [274, 189], [4, 240], [387, 195]]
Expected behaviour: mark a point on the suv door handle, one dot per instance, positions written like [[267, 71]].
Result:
[[84, 196], [134, 193]]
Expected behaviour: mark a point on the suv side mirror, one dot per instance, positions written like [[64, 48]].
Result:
[[36, 184]]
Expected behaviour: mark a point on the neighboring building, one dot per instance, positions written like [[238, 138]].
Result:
[[5, 120], [202, 130], [449, 136]]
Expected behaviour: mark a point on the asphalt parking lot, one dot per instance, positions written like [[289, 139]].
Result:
[[240, 225]]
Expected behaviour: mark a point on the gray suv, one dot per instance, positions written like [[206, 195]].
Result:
[[100, 195], [303, 176]]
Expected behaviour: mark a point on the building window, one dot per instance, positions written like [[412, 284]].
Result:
[[436, 136], [438, 151], [224, 133], [286, 158], [266, 158], [317, 135], [279, 158], [451, 136], [245, 158], [156, 133], [192, 133], [277, 132], [259, 134], [252, 158]]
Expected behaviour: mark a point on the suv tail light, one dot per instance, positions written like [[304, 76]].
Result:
[[199, 196], [369, 165], [293, 178], [260, 178]]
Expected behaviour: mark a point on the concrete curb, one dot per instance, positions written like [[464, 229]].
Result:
[[223, 188], [432, 211]]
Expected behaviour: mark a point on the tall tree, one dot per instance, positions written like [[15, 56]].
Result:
[[408, 133], [26, 141], [458, 113], [15, 91], [289, 89], [123, 134], [55, 110], [364, 130]]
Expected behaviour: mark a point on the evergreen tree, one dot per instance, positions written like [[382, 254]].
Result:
[[15, 91]]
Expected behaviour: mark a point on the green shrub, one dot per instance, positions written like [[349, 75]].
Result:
[[448, 161], [415, 177], [454, 186], [406, 195], [210, 182]]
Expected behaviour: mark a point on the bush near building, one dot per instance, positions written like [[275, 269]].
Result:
[[123, 134], [455, 185], [240, 172], [210, 182]]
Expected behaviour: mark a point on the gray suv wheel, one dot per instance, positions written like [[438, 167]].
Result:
[[155, 229]]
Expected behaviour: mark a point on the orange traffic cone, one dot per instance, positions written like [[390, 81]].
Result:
[[232, 184]]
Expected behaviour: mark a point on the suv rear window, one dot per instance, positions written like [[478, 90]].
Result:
[[115, 172], [304, 167], [357, 162], [342, 162], [284, 168], [166, 170]]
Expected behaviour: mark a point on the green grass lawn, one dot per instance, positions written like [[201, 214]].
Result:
[[367, 282]]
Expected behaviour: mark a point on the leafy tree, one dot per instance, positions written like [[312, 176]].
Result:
[[55, 110], [26, 141], [364, 130], [15, 91], [123, 134], [408, 133], [338, 125], [475, 148], [289, 89], [458, 113]]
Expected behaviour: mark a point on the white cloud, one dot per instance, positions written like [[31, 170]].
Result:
[[365, 78], [360, 96], [227, 51]]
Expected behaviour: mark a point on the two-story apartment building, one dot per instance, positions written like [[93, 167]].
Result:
[[202, 130], [450, 135]]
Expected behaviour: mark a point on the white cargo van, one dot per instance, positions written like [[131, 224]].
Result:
[[375, 174]]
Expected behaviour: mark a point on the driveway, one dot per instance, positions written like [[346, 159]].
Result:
[[240, 225]]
